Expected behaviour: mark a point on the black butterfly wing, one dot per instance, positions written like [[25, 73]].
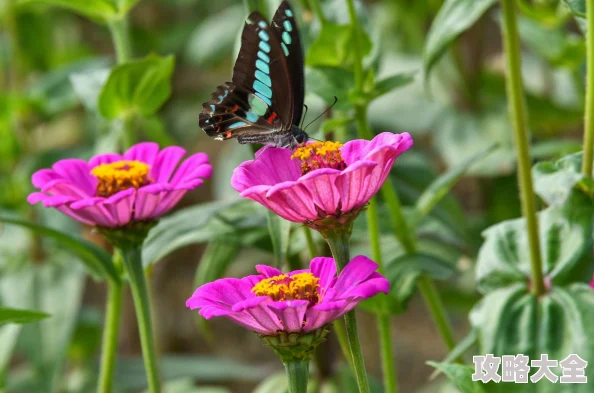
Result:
[[285, 26], [254, 106]]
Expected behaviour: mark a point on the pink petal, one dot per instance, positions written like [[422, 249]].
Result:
[[321, 314], [195, 166], [166, 162], [78, 173], [121, 205], [104, 159], [292, 199], [359, 149], [322, 188], [272, 166], [268, 271], [359, 269], [325, 269], [148, 200], [144, 152], [92, 209], [43, 176], [291, 313], [357, 184]]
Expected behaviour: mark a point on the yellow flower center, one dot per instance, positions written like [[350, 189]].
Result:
[[319, 155], [301, 286], [119, 176]]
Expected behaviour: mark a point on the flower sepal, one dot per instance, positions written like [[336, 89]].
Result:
[[333, 223], [131, 235], [291, 347]]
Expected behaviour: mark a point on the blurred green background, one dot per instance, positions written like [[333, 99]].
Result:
[[448, 92]]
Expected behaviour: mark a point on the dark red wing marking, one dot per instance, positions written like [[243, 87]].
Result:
[[271, 118]]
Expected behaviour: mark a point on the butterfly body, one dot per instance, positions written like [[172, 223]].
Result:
[[263, 103]]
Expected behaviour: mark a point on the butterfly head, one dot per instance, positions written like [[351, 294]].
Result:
[[300, 137]]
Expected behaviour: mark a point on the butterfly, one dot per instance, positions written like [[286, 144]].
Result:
[[264, 102]]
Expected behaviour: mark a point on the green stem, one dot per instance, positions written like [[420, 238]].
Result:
[[517, 111], [339, 245], [425, 284], [311, 245], [133, 265], [110, 336], [383, 319], [121, 39], [589, 110], [343, 341], [298, 375], [357, 48], [437, 311]]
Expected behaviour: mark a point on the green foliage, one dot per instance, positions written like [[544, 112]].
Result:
[[12, 315], [99, 10], [96, 259], [333, 47], [460, 376], [139, 87], [280, 233], [454, 18], [578, 7]]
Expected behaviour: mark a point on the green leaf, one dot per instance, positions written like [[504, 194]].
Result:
[[403, 273], [138, 87], [555, 44], [330, 82], [332, 124], [130, 373], [215, 260], [96, 259], [444, 183], [555, 181], [388, 84], [276, 383], [460, 376], [578, 7], [454, 17], [203, 47], [203, 223], [88, 85], [565, 232], [19, 316], [461, 347], [333, 47], [101, 10], [512, 321], [280, 233]]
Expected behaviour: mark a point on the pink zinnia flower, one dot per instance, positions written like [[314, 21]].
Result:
[[320, 180], [113, 190], [301, 301]]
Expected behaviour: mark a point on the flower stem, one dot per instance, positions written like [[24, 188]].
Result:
[[298, 375], [311, 245], [425, 284], [589, 110], [517, 111], [383, 319], [133, 264], [339, 245], [357, 49], [110, 336], [343, 342], [121, 40]]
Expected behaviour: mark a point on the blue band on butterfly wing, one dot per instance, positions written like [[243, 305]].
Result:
[[286, 38], [287, 25], [262, 89], [289, 13], [251, 117], [285, 49], [264, 46], [263, 56], [238, 124], [262, 66], [262, 24], [258, 105], [263, 78], [263, 35], [265, 99], [212, 107]]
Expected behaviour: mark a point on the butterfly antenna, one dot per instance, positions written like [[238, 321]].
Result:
[[322, 114], [303, 118]]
